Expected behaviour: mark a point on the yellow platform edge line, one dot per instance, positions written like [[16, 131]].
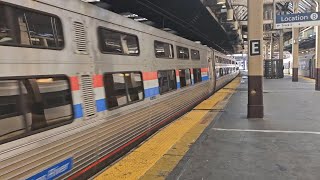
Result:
[[307, 79], [157, 156]]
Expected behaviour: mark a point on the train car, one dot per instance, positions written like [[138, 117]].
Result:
[[80, 86], [225, 68], [307, 65]]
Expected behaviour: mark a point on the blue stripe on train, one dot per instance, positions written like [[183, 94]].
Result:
[[178, 85], [101, 105], [77, 111], [205, 78], [151, 92]]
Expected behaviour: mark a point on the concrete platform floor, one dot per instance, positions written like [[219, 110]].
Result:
[[283, 145]]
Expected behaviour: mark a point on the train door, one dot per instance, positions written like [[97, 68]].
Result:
[[211, 69]]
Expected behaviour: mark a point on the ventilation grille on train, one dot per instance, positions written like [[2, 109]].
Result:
[[88, 95], [80, 37]]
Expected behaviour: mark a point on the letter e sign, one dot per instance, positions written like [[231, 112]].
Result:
[[254, 47]]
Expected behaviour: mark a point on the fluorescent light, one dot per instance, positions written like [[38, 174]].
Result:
[[221, 1], [90, 0]]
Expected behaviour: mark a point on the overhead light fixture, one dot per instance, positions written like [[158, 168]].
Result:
[[91, 0], [224, 6], [221, 1], [230, 15]]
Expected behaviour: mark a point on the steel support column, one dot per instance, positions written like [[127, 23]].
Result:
[[281, 45], [295, 46], [317, 49], [255, 73], [271, 46]]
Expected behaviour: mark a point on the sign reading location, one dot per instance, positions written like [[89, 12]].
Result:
[[297, 20], [255, 47]]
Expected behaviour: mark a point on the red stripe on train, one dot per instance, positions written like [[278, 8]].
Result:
[[204, 69], [74, 83], [97, 81], [177, 72], [149, 76]]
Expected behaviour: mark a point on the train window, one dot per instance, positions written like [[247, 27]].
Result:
[[185, 77], [182, 52], [116, 42], [32, 104], [195, 54], [197, 75], [21, 27], [163, 50], [123, 88], [217, 73], [167, 81], [221, 72]]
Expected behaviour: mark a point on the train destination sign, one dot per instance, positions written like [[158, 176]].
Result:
[[297, 20]]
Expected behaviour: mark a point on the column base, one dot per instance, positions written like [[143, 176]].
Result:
[[255, 97], [255, 111], [317, 78], [294, 74]]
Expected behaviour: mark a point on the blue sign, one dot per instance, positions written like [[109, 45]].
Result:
[[54, 171], [297, 20]]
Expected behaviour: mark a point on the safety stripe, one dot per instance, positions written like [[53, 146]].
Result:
[[74, 83], [151, 92], [149, 76], [101, 105], [77, 111], [97, 81]]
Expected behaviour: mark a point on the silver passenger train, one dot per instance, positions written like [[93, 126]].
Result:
[[80, 86], [307, 65]]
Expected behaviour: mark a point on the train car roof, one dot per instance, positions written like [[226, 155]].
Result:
[[90, 10]]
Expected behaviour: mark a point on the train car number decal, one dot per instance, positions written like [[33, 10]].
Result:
[[54, 171]]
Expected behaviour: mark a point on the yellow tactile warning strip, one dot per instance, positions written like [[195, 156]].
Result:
[[157, 157], [307, 79]]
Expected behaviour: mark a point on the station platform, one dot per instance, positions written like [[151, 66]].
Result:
[[216, 141]]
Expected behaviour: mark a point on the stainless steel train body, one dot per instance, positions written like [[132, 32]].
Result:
[[307, 65], [80, 86]]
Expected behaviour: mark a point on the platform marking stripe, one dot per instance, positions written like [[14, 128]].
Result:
[[307, 79], [141, 160], [267, 131]]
